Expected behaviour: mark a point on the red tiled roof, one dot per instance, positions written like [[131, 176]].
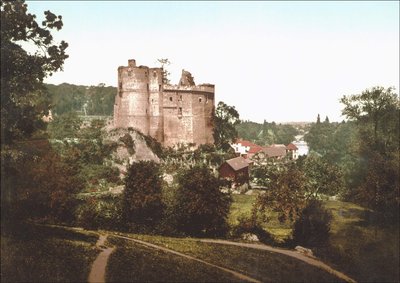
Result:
[[291, 146], [254, 148]]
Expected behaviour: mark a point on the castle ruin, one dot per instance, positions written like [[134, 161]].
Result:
[[171, 114]]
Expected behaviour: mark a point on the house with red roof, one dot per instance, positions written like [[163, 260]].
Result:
[[245, 148], [236, 170]]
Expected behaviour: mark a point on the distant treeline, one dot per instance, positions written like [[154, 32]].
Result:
[[89, 100], [267, 133]]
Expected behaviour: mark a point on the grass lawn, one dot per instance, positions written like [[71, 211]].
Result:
[[43, 254], [262, 265], [132, 262], [358, 247], [242, 205], [361, 249]]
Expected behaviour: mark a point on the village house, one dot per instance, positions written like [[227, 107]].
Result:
[[235, 170], [245, 148], [292, 151]]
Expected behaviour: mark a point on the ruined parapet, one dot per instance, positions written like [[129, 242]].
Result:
[[186, 79]]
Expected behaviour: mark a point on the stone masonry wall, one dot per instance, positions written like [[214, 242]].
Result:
[[171, 114]]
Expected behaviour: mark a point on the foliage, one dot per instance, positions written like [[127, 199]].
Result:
[[360, 245], [254, 226], [312, 227], [100, 100], [201, 208], [286, 193], [23, 97], [165, 62], [64, 126], [376, 114], [225, 119], [322, 177], [103, 212], [38, 183], [88, 100], [266, 133], [129, 143], [66, 97], [142, 197], [320, 136]]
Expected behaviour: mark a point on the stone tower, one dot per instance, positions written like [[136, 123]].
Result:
[[171, 114]]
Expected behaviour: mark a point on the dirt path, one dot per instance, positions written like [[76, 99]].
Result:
[[309, 260], [98, 271], [237, 274]]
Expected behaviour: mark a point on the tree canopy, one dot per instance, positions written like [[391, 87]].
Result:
[[23, 97], [225, 119]]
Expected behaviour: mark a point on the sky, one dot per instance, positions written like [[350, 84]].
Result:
[[275, 61]]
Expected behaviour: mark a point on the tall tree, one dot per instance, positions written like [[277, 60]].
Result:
[[201, 208], [142, 198], [376, 112], [23, 96], [225, 119]]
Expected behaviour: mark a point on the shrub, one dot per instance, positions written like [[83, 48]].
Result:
[[142, 197], [201, 209], [253, 226], [104, 212], [312, 228]]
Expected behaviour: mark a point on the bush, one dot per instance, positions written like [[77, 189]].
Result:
[[253, 226], [312, 228], [201, 209], [142, 197], [104, 212]]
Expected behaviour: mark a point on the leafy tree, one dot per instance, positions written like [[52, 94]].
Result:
[[100, 100], [64, 126], [23, 96], [320, 136], [142, 197], [66, 97], [376, 114], [38, 183], [225, 119], [322, 177], [201, 209], [286, 193]]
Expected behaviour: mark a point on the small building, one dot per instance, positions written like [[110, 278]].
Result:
[[245, 148], [236, 170], [292, 151], [275, 152]]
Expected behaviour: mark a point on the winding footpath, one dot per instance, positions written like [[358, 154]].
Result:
[[98, 271]]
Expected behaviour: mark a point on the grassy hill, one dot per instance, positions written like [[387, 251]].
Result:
[[361, 249]]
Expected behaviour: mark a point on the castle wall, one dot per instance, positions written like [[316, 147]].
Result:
[[170, 113], [156, 120]]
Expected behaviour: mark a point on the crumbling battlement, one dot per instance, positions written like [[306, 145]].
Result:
[[170, 113]]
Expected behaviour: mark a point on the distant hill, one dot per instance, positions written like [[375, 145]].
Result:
[[268, 133], [87, 100]]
